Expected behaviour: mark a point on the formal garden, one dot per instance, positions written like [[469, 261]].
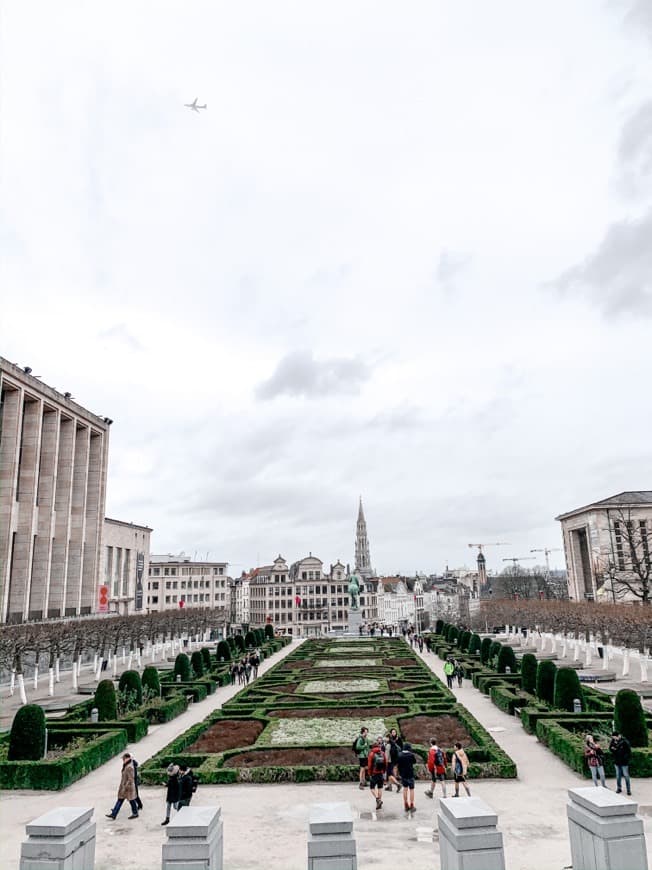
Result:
[[549, 698], [298, 721], [43, 752]]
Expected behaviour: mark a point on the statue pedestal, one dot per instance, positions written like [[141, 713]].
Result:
[[354, 623]]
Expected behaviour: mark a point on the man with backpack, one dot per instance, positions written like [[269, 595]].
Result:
[[376, 767], [449, 670], [437, 762], [393, 746], [361, 747]]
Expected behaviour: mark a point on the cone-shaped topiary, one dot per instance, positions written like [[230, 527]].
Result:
[[629, 718], [250, 640], [231, 642], [27, 738], [260, 636], [453, 634], [206, 658], [182, 667], [506, 659], [485, 649], [567, 688], [529, 673], [130, 682], [463, 644], [474, 644], [545, 685], [223, 651], [494, 652], [439, 626], [269, 631], [106, 701], [151, 680], [240, 643], [197, 663]]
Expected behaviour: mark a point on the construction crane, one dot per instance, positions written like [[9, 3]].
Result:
[[547, 552], [497, 544]]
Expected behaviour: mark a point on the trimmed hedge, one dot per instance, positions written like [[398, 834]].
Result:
[[529, 673], [269, 631], [197, 663], [135, 726], [630, 719], [506, 659], [239, 643], [566, 689], [151, 680], [474, 644], [130, 682], [106, 701], [223, 651], [61, 772], [182, 667], [485, 648], [545, 686], [206, 658], [27, 737], [494, 652]]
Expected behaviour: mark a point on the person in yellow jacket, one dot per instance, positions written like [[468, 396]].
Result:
[[449, 670]]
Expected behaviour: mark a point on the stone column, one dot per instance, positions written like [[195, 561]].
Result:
[[93, 524], [9, 446], [194, 840], [77, 520], [331, 845], [468, 836], [30, 442], [38, 593], [62, 494], [605, 831], [63, 839]]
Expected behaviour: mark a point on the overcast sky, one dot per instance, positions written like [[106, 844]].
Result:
[[406, 253]]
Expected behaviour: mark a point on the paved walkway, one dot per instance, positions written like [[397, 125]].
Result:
[[266, 826]]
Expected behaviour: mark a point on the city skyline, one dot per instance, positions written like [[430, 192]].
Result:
[[403, 253]]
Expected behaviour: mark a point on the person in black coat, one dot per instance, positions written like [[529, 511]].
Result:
[[173, 792], [621, 752], [185, 786]]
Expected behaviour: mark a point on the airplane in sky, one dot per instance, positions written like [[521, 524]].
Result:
[[194, 105]]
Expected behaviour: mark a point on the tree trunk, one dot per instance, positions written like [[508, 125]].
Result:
[[57, 674], [51, 682], [21, 689], [625, 672], [12, 682], [35, 677]]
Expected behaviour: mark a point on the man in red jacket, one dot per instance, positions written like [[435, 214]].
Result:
[[376, 767]]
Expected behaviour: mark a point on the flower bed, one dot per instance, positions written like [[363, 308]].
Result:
[[348, 663], [317, 687], [297, 732]]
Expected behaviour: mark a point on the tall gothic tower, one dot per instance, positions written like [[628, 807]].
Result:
[[362, 557]]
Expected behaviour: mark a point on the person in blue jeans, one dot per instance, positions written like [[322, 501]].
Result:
[[621, 752], [127, 789]]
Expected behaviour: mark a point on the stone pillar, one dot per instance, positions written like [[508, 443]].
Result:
[[93, 525], [62, 494], [38, 593], [10, 413], [63, 839], [194, 840], [605, 831], [354, 621], [77, 520], [30, 443], [468, 836], [331, 845]]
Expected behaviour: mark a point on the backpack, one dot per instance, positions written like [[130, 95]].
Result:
[[354, 745], [440, 759], [136, 774], [459, 769], [379, 762]]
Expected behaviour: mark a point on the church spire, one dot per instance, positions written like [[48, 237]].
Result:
[[362, 557]]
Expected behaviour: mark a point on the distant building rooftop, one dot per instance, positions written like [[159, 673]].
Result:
[[633, 498]]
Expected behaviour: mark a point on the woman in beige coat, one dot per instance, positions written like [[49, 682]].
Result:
[[127, 789], [460, 765]]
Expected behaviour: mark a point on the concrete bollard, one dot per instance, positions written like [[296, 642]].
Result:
[[605, 831], [331, 844], [468, 836], [195, 840], [577, 705], [63, 839]]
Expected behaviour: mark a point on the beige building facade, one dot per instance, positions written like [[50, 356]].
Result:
[[53, 466], [125, 567], [175, 582], [602, 541]]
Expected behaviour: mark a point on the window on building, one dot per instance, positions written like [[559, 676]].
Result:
[[174, 599], [167, 599], [154, 584], [173, 572], [156, 572], [154, 599]]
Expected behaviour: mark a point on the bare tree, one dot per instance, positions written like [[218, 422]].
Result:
[[631, 571]]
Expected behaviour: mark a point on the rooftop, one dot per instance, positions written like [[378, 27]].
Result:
[[630, 498]]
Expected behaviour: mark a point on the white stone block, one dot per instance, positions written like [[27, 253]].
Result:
[[468, 837], [195, 840], [63, 839], [331, 844], [605, 832]]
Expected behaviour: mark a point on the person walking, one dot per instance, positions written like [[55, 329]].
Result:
[[595, 759], [449, 670], [362, 749], [393, 746], [376, 767], [406, 761], [186, 786], [437, 767], [621, 752], [459, 673], [126, 789], [460, 766], [172, 793]]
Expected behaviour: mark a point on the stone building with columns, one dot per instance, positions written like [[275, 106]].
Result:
[[53, 467], [125, 567]]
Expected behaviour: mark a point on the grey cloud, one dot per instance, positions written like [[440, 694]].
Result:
[[639, 17], [450, 264], [299, 374], [121, 334], [618, 275], [635, 149]]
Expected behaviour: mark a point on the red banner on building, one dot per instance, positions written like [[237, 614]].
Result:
[[103, 600]]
